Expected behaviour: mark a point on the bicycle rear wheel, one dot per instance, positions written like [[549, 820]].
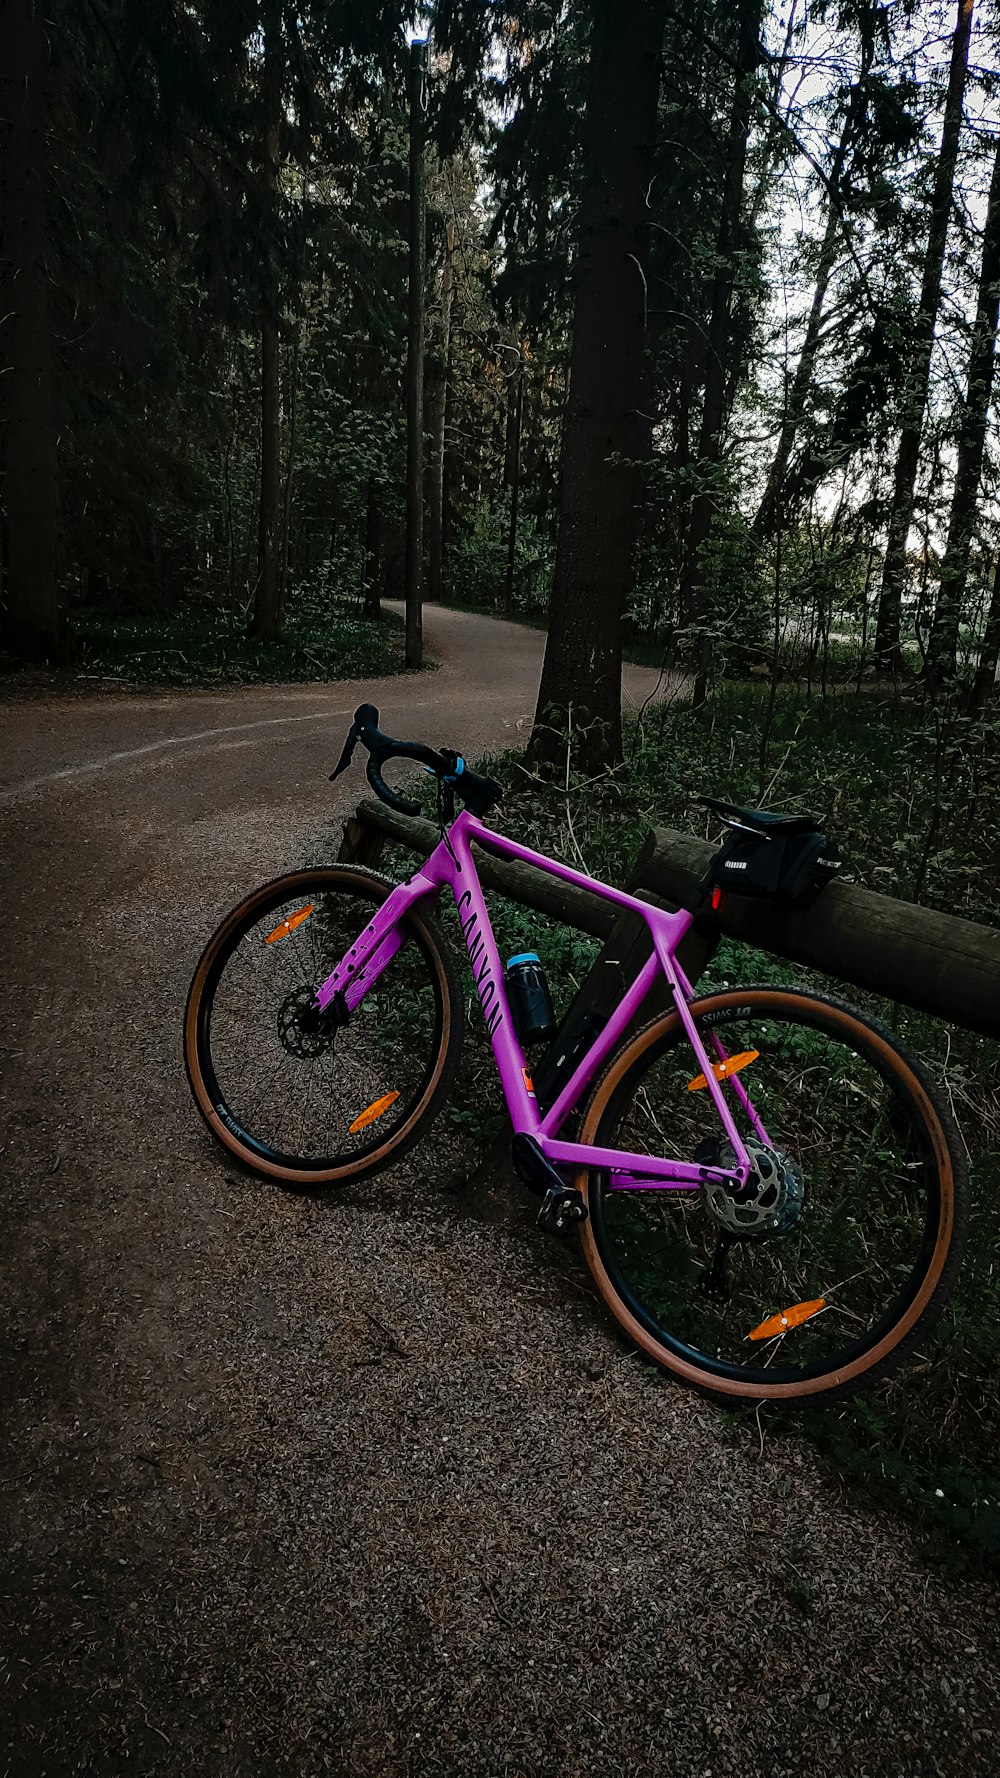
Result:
[[843, 1250], [294, 1096]]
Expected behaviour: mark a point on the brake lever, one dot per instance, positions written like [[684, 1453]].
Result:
[[365, 716], [380, 748], [348, 753]]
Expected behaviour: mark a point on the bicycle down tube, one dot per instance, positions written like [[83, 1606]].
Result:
[[452, 864]]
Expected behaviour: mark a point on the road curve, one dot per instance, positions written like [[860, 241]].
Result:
[[268, 743]]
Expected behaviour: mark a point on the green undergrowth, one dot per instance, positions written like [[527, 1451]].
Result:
[[814, 668], [321, 642], [914, 803]]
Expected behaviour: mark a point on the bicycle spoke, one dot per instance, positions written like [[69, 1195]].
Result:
[[294, 1077]]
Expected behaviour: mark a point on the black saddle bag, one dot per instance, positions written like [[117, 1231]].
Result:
[[792, 867]]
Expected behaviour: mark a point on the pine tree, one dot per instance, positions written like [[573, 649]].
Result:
[[265, 623], [720, 366], [33, 625], [607, 431], [887, 636], [942, 650], [769, 510]]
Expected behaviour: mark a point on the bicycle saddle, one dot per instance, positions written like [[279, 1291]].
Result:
[[760, 820]]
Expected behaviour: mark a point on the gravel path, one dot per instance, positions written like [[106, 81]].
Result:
[[365, 1485]]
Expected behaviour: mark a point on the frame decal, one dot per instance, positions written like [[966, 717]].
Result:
[[475, 944]]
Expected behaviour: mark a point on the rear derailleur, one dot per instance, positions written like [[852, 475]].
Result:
[[713, 1283]]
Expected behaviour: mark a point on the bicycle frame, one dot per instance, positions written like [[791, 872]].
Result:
[[452, 864]]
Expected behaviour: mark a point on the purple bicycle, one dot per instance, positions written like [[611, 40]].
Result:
[[767, 1187]]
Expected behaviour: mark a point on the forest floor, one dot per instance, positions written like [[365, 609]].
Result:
[[366, 1484]]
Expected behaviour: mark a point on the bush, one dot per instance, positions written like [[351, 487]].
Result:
[[325, 638]]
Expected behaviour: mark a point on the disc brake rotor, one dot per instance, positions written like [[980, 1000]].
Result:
[[769, 1204], [302, 1030]]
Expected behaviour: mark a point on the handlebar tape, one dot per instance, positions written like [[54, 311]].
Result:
[[403, 804]]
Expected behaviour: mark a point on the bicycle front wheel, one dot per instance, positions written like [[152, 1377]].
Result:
[[842, 1251], [297, 1097]]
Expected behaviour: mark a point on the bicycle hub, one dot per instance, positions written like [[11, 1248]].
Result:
[[768, 1205]]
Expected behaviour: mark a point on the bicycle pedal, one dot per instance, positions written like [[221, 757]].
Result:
[[562, 1208], [562, 1205]]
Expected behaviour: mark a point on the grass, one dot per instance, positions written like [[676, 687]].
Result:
[[914, 801], [211, 648]]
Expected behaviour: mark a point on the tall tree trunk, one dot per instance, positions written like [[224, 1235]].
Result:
[[436, 426], [452, 467], [33, 627], [228, 485], [984, 684], [286, 504], [942, 652], [414, 647], [887, 649], [373, 544], [775, 144], [705, 502], [769, 511], [265, 625], [512, 468], [606, 434]]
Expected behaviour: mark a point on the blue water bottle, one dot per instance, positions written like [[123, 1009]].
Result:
[[529, 999]]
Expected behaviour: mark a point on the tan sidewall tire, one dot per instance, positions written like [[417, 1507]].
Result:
[[442, 1074], [900, 1337]]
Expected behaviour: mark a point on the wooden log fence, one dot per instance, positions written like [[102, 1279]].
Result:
[[933, 962], [373, 826]]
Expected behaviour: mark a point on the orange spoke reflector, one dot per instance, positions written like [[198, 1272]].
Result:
[[364, 1118], [290, 924], [731, 1065], [786, 1318]]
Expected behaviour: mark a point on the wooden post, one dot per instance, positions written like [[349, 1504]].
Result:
[[360, 844], [415, 364]]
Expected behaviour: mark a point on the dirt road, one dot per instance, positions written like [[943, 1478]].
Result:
[[362, 1485]]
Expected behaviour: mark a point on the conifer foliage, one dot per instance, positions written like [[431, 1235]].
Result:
[[710, 328]]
